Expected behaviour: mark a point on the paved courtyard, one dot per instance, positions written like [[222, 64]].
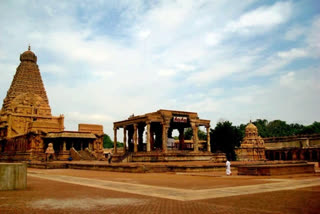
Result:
[[84, 191]]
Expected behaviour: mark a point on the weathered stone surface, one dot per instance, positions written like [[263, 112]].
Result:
[[13, 176]]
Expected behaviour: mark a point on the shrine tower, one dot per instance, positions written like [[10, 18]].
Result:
[[26, 106], [252, 146]]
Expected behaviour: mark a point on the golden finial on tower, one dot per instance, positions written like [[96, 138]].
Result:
[[29, 47]]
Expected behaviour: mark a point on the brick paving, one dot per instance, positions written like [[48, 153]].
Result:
[[47, 196]]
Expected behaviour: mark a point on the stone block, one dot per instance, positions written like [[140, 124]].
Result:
[[13, 176]]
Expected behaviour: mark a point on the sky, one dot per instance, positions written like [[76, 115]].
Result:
[[102, 61]]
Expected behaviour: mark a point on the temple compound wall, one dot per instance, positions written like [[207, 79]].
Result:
[[27, 125], [301, 147]]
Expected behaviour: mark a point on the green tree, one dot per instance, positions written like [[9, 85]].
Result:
[[278, 128], [225, 137], [107, 142], [314, 128], [262, 124], [189, 133]]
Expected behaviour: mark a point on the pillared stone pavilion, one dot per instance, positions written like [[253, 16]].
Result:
[[148, 137]]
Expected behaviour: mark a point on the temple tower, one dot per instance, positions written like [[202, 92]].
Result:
[[27, 80], [252, 146], [26, 105]]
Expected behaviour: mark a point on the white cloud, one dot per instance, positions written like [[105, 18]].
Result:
[[293, 53], [313, 37], [221, 69], [262, 18], [167, 72], [287, 79], [212, 39], [144, 34], [294, 33], [185, 55]]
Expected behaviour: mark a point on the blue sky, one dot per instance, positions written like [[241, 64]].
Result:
[[101, 61]]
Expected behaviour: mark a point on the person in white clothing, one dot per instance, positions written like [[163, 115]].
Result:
[[228, 168]]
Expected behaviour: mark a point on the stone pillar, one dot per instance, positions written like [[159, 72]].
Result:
[[294, 155], [280, 155], [64, 148], [181, 138], [164, 137], [140, 137], [301, 155], [208, 139], [124, 139], [135, 137], [148, 136], [318, 155], [285, 155], [195, 136], [310, 154], [81, 145], [115, 140]]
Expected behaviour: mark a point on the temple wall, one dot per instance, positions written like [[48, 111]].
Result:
[[288, 144], [293, 142], [92, 128]]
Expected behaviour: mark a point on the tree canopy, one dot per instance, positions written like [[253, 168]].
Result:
[[188, 134], [108, 143], [224, 138], [279, 128]]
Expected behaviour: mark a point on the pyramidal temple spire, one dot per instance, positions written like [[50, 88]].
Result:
[[27, 87]]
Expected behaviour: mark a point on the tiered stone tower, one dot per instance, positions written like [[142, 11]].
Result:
[[252, 146], [26, 106]]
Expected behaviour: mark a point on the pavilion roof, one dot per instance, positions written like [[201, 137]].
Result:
[[159, 116], [71, 134]]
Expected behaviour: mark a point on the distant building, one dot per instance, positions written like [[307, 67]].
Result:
[[27, 125], [300, 147]]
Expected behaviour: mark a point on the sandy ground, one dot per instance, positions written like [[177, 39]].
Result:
[[47, 196]]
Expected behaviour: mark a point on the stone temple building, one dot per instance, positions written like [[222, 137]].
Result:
[[252, 147], [27, 125]]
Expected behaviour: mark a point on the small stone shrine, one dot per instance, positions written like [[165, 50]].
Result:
[[252, 147]]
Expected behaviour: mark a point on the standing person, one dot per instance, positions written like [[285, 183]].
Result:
[[110, 157], [228, 168]]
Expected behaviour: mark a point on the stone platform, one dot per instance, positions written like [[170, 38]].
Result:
[[172, 156], [140, 167], [255, 168], [270, 169]]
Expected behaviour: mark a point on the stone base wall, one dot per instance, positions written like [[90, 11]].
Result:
[[279, 169], [250, 154], [170, 157], [13, 176]]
